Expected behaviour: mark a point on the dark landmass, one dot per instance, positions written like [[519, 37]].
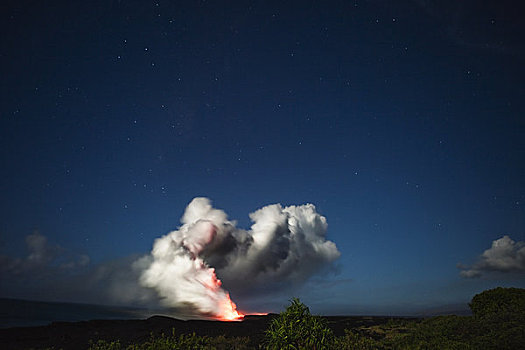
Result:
[[76, 335], [30, 313]]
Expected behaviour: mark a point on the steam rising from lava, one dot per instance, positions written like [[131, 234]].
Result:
[[283, 244]]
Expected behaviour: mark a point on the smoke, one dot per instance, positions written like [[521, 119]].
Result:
[[504, 256], [284, 246]]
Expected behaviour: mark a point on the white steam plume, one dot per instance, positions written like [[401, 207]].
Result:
[[283, 245]]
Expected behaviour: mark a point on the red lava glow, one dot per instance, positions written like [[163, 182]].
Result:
[[229, 311], [227, 308]]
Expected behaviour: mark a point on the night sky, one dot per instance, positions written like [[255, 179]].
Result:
[[403, 122]]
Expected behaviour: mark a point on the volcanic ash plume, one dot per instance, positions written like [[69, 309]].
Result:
[[284, 245]]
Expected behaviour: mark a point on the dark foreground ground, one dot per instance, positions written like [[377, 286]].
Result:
[[76, 335]]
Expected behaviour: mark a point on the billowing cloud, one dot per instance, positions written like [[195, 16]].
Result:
[[505, 256], [190, 271], [51, 272], [47, 272], [42, 258], [284, 246]]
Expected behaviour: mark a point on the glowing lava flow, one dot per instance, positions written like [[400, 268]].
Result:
[[229, 310]]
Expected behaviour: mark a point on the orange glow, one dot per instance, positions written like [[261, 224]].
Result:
[[229, 311]]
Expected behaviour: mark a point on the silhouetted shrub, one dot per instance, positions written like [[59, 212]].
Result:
[[296, 328], [355, 341], [181, 342], [104, 345], [499, 303]]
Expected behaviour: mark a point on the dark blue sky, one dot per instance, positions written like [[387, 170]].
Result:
[[403, 122]]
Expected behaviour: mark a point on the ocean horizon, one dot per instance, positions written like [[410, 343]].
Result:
[[29, 313]]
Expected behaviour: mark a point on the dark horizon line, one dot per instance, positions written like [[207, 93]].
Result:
[[444, 309]]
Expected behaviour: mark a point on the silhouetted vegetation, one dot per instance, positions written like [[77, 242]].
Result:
[[504, 303], [182, 342], [497, 323], [296, 328]]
